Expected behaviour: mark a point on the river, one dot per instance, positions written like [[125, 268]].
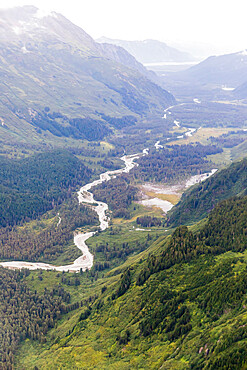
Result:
[[85, 261]]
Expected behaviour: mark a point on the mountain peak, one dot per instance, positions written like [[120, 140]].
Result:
[[28, 23]]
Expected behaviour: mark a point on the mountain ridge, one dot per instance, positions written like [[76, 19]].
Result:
[[229, 70], [52, 63], [150, 51]]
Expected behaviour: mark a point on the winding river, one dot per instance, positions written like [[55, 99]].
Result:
[[85, 261]]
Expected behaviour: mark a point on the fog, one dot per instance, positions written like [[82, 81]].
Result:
[[203, 27]]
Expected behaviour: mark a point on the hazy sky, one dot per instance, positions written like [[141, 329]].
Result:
[[220, 23]]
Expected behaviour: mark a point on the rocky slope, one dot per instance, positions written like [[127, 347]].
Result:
[[50, 67]]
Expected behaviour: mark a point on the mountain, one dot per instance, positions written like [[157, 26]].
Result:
[[181, 304], [229, 70], [241, 91], [197, 202], [150, 51], [121, 55], [55, 78]]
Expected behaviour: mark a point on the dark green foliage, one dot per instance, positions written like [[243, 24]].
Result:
[[196, 203], [148, 221], [177, 162], [124, 283], [230, 139], [47, 244], [113, 254], [120, 122], [31, 186], [226, 230], [78, 128], [223, 295], [180, 248], [191, 303], [234, 358], [118, 194], [89, 128], [85, 314], [166, 312], [24, 314], [124, 337]]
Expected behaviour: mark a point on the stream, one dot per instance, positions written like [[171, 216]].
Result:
[[85, 261]]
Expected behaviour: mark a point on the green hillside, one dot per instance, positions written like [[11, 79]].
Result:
[[188, 313], [32, 186], [151, 290], [197, 202], [56, 79]]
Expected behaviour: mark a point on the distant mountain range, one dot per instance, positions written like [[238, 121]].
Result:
[[56, 78], [241, 91], [229, 69], [224, 72], [150, 51]]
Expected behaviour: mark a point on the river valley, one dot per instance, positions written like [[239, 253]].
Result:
[[85, 261]]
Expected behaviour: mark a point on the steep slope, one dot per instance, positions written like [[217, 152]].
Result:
[[31, 186], [182, 305], [197, 202], [150, 51], [120, 55], [50, 67], [241, 91]]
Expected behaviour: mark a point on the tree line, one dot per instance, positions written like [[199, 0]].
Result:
[[31, 186], [176, 162], [26, 314], [48, 243]]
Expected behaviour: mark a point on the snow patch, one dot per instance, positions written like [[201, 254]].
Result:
[[42, 13]]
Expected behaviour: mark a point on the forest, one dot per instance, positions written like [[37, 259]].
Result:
[[230, 139], [31, 186], [198, 201], [47, 243], [176, 162], [224, 231], [149, 221], [185, 303], [60, 125], [118, 193], [26, 314]]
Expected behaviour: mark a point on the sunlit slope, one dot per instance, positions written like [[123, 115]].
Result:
[[197, 202], [181, 306], [49, 65]]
